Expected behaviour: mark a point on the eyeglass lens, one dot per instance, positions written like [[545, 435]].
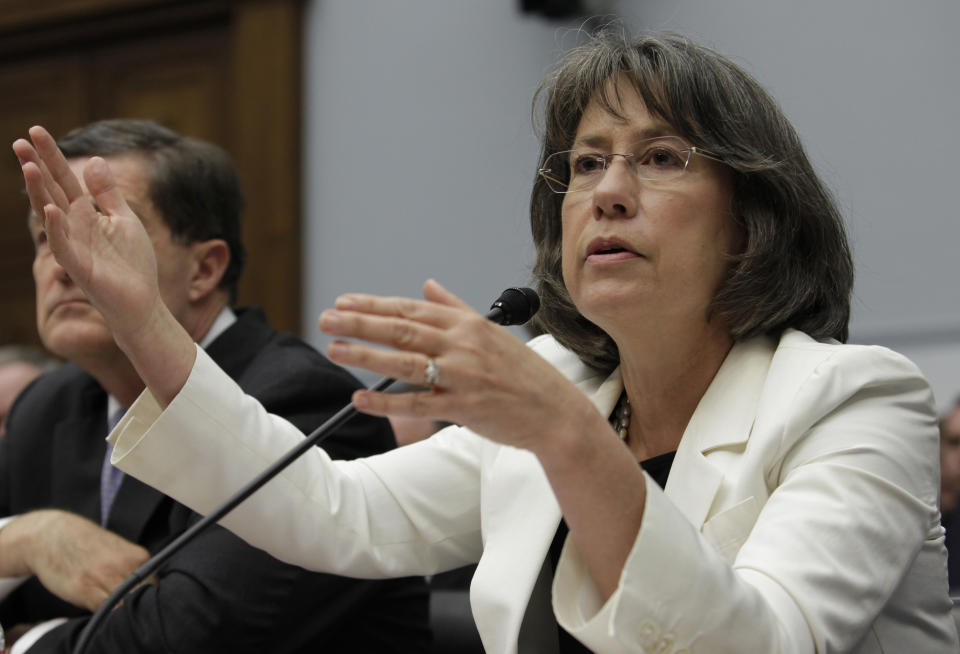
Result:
[[657, 159]]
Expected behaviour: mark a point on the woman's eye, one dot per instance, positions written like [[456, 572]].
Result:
[[661, 157], [586, 164]]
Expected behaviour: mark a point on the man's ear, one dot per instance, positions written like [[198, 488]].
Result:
[[210, 259]]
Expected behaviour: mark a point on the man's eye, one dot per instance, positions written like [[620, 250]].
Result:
[[40, 239], [587, 164]]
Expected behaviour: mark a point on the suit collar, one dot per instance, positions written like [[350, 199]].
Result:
[[235, 348], [733, 394]]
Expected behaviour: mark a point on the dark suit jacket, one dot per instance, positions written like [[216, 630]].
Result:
[[218, 594]]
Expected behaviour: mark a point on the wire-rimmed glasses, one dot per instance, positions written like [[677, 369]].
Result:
[[657, 160]]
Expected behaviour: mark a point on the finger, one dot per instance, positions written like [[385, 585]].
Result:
[[433, 291], [57, 226], [399, 333], [103, 188], [56, 163], [426, 404], [26, 153], [94, 597], [422, 311], [36, 188], [406, 366]]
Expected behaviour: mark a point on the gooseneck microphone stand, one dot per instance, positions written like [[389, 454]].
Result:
[[515, 306]]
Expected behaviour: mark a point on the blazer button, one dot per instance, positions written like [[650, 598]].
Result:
[[648, 633]]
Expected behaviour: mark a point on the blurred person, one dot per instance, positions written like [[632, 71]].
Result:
[[19, 365], [690, 459], [81, 527], [950, 491]]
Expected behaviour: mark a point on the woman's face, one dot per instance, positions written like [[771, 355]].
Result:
[[635, 249]]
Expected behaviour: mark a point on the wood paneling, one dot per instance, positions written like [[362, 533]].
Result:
[[228, 72]]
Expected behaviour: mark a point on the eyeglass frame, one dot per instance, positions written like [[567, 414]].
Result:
[[605, 159]]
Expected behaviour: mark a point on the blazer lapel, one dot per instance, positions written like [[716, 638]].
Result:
[[723, 418]]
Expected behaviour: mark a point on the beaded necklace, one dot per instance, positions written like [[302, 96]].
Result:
[[621, 416]]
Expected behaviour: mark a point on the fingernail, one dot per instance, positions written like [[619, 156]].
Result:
[[361, 400], [329, 321], [345, 302]]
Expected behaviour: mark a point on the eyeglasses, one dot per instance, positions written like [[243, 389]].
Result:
[[657, 160]]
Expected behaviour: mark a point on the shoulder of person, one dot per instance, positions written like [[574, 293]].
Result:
[[809, 380], [61, 386], [852, 364]]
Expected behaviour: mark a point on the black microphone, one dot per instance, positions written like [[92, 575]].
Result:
[[515, 306]]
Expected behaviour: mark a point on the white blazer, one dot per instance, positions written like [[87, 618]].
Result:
[[799, 515]]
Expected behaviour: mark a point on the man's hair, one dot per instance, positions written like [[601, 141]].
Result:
[[795, 270], [192, 183]]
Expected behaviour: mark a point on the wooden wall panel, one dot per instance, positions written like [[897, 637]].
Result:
[[51, 87], [181, 81]]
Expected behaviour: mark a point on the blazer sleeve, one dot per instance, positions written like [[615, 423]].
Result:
[[851, 466], [411, 511]]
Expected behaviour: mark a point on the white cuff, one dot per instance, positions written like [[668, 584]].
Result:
[[27, 640], [9, 584]]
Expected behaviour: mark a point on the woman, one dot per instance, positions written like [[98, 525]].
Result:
[[695, 279]]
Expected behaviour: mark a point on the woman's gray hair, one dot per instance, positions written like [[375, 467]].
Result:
[[795, 269]]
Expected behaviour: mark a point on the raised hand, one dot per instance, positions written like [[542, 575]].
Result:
[[97, 238], [105, 249]]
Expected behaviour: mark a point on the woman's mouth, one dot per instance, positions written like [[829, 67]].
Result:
[[609, 251]]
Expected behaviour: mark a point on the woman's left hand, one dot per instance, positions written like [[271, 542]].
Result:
[[486, 379]]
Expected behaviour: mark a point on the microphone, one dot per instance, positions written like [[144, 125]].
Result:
[[515, 306]]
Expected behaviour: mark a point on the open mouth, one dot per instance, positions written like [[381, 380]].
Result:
[[609, 250]]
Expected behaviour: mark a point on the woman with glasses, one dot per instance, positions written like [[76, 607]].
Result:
[[688, 461]]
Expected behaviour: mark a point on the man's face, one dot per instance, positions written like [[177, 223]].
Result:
[[68, 324], [950, 460]]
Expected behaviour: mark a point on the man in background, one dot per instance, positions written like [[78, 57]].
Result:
[[80, 527], [19, 365], [950, 491]]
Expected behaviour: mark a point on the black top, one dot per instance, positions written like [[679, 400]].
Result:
[[658, 468]]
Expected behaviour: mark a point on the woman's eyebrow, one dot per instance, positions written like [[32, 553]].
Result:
[[602, 140]]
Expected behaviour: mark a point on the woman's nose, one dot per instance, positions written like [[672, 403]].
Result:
[[615, 195]]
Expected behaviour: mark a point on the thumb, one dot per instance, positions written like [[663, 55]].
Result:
[[103, 188]]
